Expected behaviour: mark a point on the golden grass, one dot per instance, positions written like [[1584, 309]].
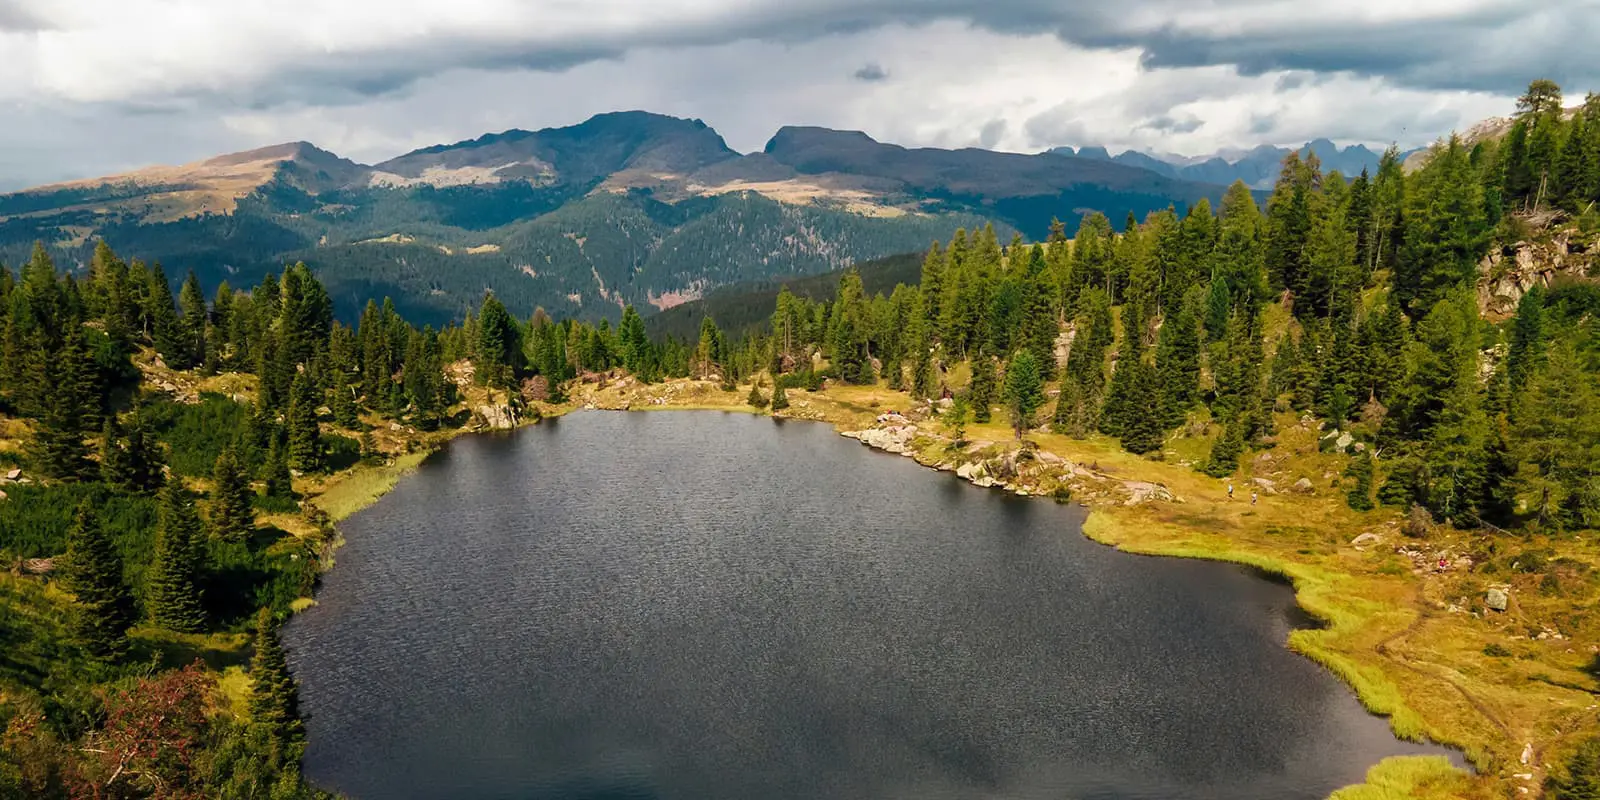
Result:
[[348, 492], [1409, 778]]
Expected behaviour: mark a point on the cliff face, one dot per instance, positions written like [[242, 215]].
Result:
[[1508, 272]]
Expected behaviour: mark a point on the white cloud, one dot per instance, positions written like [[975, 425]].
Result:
[[94, 86]]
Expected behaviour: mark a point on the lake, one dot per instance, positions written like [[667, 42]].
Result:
[[703, 605]]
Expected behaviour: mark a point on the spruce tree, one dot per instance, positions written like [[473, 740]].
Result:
[[103, 607], [756, 399], [499, 343], [305, 439], [58, 449], [1225, 451], [780, 398], [274, 700], [983, 387], [1141, 430], [926, 378], [192, 301], [1024, 390], [173, 587], [232, 518], [1359, 472], [275, 470], [1526, 351], [1178, 364]]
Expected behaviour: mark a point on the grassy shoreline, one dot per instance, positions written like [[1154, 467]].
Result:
[[1382, 633]]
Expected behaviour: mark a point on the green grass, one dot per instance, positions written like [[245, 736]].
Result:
[[1408, 778]]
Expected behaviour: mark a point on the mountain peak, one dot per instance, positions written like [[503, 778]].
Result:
[[597, 147]]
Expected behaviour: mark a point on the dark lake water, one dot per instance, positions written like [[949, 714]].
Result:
[[699, 606]]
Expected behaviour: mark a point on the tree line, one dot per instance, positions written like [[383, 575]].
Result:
[[1349, 299]]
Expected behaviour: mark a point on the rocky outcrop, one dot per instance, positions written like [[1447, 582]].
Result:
[[1020, 469], [498, 416], [1506, 274]]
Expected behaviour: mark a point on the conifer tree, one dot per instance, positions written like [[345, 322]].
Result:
[[275, 469], [1445, 230], [173, 587], [1040, 325], [232, 518], [1121, 401], [1527, 348], [274, 696], [130, 459], [1225, 451], [500, 344], [756, 399], [1288, 226], [1024, 390], [926, 378], [780, 398], [1078, 407], [1141, 431], [305, 439], [1237, 260], [635, 344], [1359, 472], [103, 607], [1178, 364], [192, 327], [58, 449], [983, 387]]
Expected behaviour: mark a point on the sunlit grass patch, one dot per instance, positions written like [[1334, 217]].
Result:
[[1409, 778]]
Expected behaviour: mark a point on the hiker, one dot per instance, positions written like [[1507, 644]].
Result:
[[1230, 490], [1252, 497]]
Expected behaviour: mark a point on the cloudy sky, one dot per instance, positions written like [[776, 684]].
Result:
[[91, 87]]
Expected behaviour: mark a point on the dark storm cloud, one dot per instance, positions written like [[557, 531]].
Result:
[[871, 73], [1495, 47]]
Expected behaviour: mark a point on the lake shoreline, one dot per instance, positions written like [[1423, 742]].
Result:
[[1115, 519]]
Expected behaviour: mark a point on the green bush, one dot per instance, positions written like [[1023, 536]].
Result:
[[343, 452]]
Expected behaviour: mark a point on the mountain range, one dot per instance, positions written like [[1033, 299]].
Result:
[[1257, 167], [625, 208]]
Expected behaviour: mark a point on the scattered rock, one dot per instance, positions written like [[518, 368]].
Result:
[[1266, 485], [1344, 441], [1496, 599], [1365, 539], [14, 474], [1143, 491], [1303, 486], [38, 566]]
